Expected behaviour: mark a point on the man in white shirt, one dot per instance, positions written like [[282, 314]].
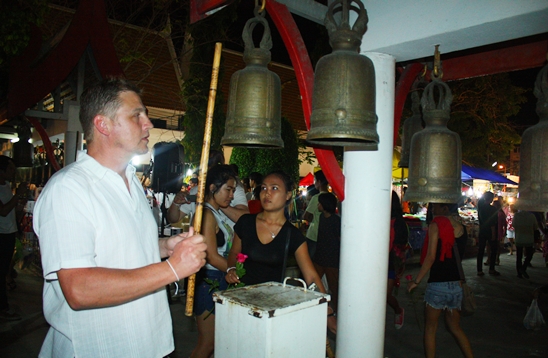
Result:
[[104, 284]]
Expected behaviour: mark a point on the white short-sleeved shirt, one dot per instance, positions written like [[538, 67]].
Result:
[[312, 208], [86, 217]]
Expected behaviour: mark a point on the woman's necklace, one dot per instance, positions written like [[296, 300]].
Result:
[[273, 235]]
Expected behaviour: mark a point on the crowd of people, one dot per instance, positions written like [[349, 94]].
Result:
[[104, 264], [106, 268]]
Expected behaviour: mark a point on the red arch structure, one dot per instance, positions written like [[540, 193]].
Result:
[[29, 83]]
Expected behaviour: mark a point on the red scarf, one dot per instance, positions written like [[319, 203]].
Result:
[[446, 235]]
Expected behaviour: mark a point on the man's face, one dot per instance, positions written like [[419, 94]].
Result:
[[130, 125]]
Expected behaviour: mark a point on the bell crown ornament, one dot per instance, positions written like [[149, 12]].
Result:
[[435, 153], [254, 100], [533, 170], [343, 102]]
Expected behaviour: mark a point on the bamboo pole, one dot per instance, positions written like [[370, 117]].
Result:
[[203, 166]]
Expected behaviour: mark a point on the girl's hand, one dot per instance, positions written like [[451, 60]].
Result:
[[231, 277], [411, 285]]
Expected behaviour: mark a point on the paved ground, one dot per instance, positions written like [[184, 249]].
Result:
[[496, 330]]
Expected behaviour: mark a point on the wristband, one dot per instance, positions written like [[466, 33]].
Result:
[[332, 314], [416, 283], [172, 269], [230, 268], [177, 205]]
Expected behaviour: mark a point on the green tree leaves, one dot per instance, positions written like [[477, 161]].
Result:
[[480, 113], [267, 160]]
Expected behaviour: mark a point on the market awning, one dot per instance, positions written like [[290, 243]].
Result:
[[307, 180], [479, 173]]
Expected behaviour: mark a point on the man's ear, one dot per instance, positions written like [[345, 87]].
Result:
[[102, 124]]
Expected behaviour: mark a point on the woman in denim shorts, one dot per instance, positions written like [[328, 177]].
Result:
[[444, 291], [220, 185]]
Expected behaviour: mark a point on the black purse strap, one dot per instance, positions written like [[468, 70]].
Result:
[[288, 236], [459, 263]]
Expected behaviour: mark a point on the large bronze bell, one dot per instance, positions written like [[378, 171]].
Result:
[[411, 126], [435, 156], [343, 102], [254, 101], [533, 169]]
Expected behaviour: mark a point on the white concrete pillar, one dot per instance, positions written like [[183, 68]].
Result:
[[366, 229], [74, 135]]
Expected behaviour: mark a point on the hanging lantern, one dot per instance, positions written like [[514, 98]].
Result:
[[411, 126], [254, 101], [343, 102], [533, 171], [435, 155]]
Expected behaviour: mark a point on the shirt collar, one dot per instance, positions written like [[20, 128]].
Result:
[[98, 170]]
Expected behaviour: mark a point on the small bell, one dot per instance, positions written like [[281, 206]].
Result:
[[254, 101], [343, 102], [411, 126], [533, 169], [435, 155]]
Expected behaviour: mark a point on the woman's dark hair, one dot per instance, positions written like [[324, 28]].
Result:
[[216, 157], [320, 176], [218, 176], [395, 209], [328, 201], [256, 177], [257, 192]]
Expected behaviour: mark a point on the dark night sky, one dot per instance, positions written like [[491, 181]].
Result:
[[527, 115]]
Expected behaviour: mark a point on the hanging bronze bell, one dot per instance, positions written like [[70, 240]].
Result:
[[411, 126], [343, 102], [435, 154], [254, 101], [533, 169]]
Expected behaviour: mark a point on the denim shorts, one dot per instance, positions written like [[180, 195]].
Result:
[[444, 295], [203, 298]]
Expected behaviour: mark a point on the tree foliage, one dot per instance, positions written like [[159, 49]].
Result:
[[196, 88], [16, 20], [480, 113], [266, 160]]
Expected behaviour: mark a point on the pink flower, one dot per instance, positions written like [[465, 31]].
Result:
[[241, 258], [409, 277]]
